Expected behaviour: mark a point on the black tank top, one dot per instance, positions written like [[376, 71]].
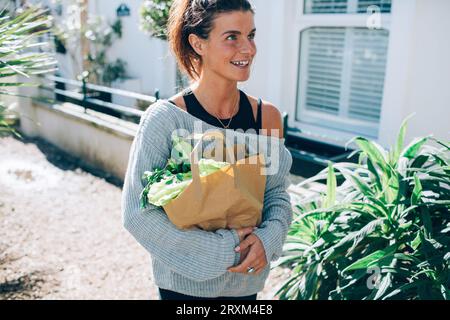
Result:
[[243, 120]]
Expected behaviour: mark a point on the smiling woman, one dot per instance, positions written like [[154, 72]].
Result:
[[220, 27], [214, 44]]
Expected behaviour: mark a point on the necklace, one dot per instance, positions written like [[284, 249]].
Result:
[[231, 119]]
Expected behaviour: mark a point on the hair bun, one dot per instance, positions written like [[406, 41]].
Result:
[[204, 3], [200, 3]]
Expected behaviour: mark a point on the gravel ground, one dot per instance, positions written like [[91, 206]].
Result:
[[62, 234]]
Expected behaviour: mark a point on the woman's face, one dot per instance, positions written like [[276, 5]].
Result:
[[230, 42]]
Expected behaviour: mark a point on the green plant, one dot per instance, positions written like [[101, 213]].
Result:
[[19, 40], [113, 71], [100, 34], [5, 127], [142, 104], [117, 28], [154, 16], [384, 233]]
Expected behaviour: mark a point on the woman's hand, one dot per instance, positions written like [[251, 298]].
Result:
[[255, 258], [244, 232]]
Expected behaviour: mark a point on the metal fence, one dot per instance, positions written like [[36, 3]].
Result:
[[96, 97]]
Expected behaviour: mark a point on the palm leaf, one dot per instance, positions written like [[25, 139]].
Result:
[[374, 152], [331, 187], [371, 259], [411, 150], [401, 139]]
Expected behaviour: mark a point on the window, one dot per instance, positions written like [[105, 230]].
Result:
[[345, 6], [342, 66]]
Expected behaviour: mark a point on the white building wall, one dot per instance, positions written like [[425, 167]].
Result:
[[147, 58], [421, 84]]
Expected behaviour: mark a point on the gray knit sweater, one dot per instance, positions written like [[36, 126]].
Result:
[[195, 262]]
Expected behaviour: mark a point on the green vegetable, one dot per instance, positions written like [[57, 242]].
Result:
[[161, 193], [182, 149], [208, 166], [164, 185]]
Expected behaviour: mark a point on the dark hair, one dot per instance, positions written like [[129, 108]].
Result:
[[196, 17]]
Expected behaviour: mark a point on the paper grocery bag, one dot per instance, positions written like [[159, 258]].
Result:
[[231, 197]]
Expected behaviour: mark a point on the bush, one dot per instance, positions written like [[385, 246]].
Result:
[[382, 234], [154, 15], [19, 40]]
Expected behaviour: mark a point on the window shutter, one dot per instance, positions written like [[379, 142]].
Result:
[[384, 5], [325, 6], [324, 48], [345, 70], [344, 6], [368, 72]]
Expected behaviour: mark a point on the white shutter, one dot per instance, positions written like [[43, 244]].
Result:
[[342, 72], [325, 6], [344, 6], [384, 5], [324, 49], [368, 72]]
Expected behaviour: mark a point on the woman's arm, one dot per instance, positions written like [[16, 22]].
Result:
[[266, 243], [277, 208], [196, 254], [277, 213]]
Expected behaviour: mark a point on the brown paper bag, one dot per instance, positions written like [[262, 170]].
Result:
[[231, 197]]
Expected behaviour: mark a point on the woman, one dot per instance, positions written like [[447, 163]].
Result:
[[213, 42]]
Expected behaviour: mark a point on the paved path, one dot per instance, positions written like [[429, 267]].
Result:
[[62, 235]]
